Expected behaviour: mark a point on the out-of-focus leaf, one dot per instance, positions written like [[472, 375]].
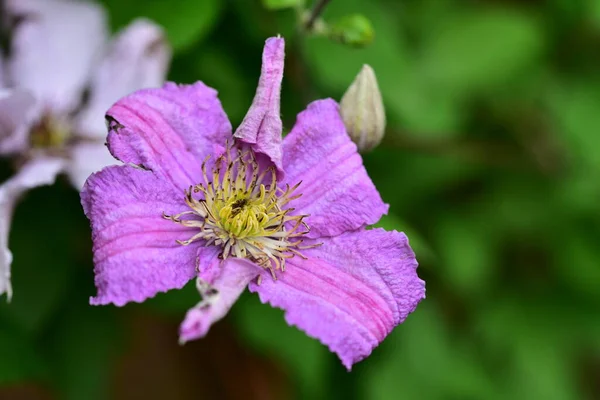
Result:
[[513, 205], [530, 340], [257, 23], [82, 349], [576, 256], [541, 372], [264, 328], [354, 30], [18, 358], [41, 268], [580, 190], [478, 49], [574, 106], [420, 16], [175, 302], [218, 68], [422, 176], [412, 102], [466, 254], [592, 9], [185, 21], [281, 4], [418, 361]]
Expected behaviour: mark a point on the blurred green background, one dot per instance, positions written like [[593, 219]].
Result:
[[491, 164]]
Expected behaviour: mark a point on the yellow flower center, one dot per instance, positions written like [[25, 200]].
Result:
[[49, 132], [244, 213]]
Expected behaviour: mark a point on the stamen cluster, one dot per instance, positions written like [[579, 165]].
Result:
[[242, 209], [49, 132]]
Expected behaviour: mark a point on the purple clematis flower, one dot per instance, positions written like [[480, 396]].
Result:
[[285, 218], [59, 76]]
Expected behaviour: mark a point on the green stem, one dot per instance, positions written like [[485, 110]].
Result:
[[314, 14]]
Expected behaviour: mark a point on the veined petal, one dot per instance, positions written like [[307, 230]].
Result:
[[18, 111], [135, 250], [38, 172], [220, 284], [336, 191], [169, 130], [85, 159], [262, 127], [54, 47], [137, 58], [350, 293]]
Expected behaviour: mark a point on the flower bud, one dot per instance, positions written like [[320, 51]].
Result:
[[362, 110], [354, 30]]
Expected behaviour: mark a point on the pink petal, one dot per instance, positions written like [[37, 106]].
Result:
[[54, 48], [37, 172], [85, 159], [220, 285], [262, 127], [135, 253], [336, 190], [350, 293], [18, 111], [137, 58], [169, 130]]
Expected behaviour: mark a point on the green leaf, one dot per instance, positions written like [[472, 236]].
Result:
[[412, 103], [175, 302], [466, 254], [42, 269], [420, 360], [20, 361], [531, 341], [512, 205], [219, 68], [472, 50], [575, 107], [281, 4], [354, 30], [592, 9], [255, 24], [542, 371], [185, 21], [82, 349], [577, 256], [407, 178]]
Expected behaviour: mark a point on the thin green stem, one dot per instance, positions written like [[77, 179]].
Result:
[[315, 13]]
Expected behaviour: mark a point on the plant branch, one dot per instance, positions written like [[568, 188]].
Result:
[[495, 154], [315, 12]]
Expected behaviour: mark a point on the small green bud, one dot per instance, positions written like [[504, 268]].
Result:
[[354, 30], [362, 110]]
